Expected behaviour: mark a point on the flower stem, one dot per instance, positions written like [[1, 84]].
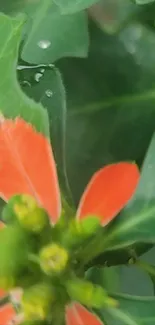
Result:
[[93, 249]]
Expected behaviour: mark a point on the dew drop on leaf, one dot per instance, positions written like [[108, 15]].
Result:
[[25, 83], [38, 76], [49, 93], [44, 44]]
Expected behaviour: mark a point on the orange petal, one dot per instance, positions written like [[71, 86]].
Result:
[[78, 315], [7, 313], [108, 191], [27, 165]]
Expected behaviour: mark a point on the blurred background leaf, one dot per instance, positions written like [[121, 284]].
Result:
[[110, 102], [113, 15]]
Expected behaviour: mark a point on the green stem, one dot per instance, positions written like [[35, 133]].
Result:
[[94, 248]]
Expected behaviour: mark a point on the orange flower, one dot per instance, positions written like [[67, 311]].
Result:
[[27, 166]]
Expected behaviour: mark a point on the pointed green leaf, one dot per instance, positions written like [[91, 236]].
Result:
[[44, 84], [13, 102]]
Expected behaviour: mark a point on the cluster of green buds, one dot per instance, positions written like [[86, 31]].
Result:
[[40, 258]]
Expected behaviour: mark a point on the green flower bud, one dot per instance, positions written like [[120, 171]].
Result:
[[88, 294], [79, 230], [30, 216], [53, 259], [36, 302], [89, 225], [85, 227], [14, 249]]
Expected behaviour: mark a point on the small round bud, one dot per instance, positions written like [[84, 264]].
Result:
[[30, 216], [53, 259], [36, 302]]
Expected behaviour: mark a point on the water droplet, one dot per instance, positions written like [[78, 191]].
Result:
[[44, 44], [49, 93], [25, 83], [38, 76]]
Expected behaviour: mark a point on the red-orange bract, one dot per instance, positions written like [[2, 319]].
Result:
[[78, 315], [7, 313], [108, 191], [27, 166]]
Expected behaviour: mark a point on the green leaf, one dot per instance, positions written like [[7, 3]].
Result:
[[136, 223], [70, 6], [13, 102], [45, 85], [118, 317], [110, 101], [132, 310], [51, 36]]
